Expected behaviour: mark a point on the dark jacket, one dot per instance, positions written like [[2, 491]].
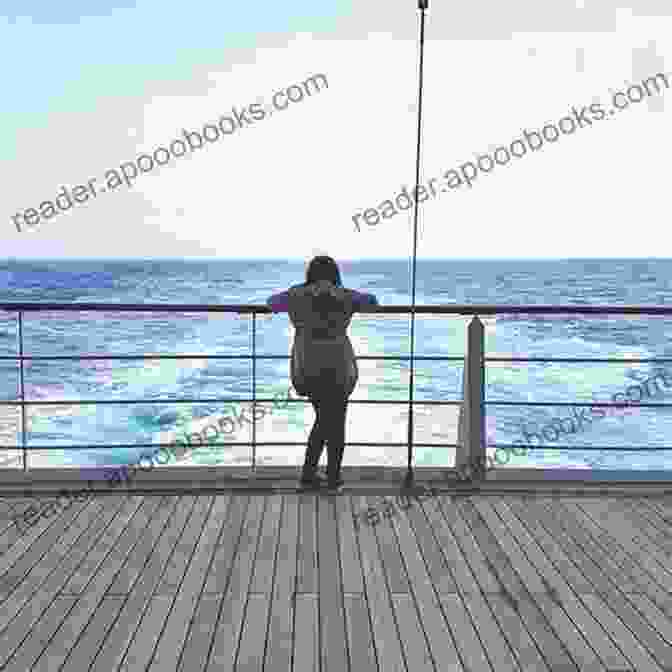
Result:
[[321, 314]]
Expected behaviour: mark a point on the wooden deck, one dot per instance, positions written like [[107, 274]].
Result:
[[295, 582]]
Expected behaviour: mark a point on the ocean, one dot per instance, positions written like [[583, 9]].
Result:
[[503, 282]]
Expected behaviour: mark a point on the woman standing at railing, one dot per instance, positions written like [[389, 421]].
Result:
[[323, 364]]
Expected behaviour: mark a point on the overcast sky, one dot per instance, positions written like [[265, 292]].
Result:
[[89, 85]]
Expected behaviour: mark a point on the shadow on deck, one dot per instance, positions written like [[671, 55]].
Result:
[[307, 582]]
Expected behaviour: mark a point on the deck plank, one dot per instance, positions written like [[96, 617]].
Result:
[[578, 540], [485, 579], [655, 516], [184, 550], [416, 652], [253, 635], [225, 649], [452, 553], [526, 648], [12, 509], [348, 527], [333, 647], [141, 650], [96, 556], [629, 539], [389, 551], [564, 612], [129, 572], [262, 579], [609, 653], [627, 508], [66, 638], [482, 616], [516, 596], [557, 617], [385, 635], [27, 575], [541, 592], [197, 647], [439, 636], [662, 506], [471, 648], [35, 594], [87, 646], [306, 644], [307, 549], [283, 605], [654, 615], [120, 638], [640, 659], [220, 570], [608, 588], [646, 573], [438, 569], [39, 637], [622, 539], [659, 544], [177, 628], [556, 585], [35, 543], [557, 554], [387, 596], [642, 518], [525, 572], [360, 638]]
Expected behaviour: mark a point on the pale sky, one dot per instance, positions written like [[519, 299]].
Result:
[[89, 86]]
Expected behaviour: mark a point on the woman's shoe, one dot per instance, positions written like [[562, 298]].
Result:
[[312, 482], [339, 480], [335, 488]]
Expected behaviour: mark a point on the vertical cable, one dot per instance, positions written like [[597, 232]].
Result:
[[23, 399], [422, 5], [254, 389]]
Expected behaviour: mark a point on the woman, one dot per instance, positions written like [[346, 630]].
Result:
[[323, 364]]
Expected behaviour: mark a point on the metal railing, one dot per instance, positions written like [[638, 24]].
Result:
[[471, 443]]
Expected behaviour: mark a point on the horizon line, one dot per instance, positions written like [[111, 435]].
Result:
[[345, 259]]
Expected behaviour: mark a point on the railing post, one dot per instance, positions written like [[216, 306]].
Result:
[[471, 427]]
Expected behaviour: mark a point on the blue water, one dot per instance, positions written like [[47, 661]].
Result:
[[579, 282]]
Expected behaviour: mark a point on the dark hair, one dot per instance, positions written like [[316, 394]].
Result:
[[323, 268]]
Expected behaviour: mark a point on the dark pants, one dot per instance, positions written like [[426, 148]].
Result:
[[330, 402]]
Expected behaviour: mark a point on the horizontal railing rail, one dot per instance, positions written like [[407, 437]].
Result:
[[247, 308], [471, 439]]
